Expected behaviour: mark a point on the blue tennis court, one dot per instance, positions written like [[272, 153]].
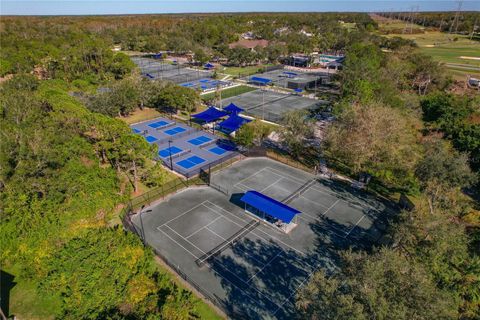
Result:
[[199, 140], [190, 162], [158, 124], [174, 131], [151, 139], [217, 150], [169, 151]]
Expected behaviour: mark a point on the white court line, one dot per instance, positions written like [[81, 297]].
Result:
[[317, 203], [356, 224], [296, 290], [237, 248], [269, 235], [243, 187], [252, 175], [185, 239], [271, 184], [330, 207], [265, 265], [198, 205], [204, 226], [196, 258]]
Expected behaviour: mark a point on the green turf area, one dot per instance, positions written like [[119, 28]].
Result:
[[243, 71], [448, 48], [230, 92]]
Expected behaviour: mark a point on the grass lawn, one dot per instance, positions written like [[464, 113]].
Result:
[[27, 303], [229, 92], [243, 71], [141, 115]]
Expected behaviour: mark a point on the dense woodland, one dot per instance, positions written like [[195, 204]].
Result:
[[67, 164]]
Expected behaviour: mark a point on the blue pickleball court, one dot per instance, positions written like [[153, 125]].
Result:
[[151, 139], [190, 162], [167, 151], [217, 150], [174, 131], [199, 140], [158, 124]]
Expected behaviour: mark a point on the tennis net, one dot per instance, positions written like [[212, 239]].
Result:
[[228, 242], [299, 191]]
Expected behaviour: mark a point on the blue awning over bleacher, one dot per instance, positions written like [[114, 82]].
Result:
[[209, 115], [208, 65], [232, 108], [270, 206], [260, 80], [233, 123]]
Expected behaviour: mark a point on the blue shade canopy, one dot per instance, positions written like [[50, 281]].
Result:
[[209, 115], [232, 108], [260, 80], [208, 66], [270, 206], [298, 90], [233, 123]]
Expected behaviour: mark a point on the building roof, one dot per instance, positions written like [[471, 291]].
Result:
[[250, 44], [233, 123], [270, 206], [209, 115], [232, 108]]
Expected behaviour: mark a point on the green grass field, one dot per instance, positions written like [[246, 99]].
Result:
[[442, 47], [243, 71], [230, 92]]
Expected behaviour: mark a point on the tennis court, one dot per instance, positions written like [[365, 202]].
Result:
[[206, 84], [270, 105], [158, 69], [248, 268], [289, 79]]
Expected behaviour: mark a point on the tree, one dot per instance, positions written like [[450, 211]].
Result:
[[177, 98], [200, 56], [297, 127], [376, 139], [442, 170], [383, 285], [252, 133]]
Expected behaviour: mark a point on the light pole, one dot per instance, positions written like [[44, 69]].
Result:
[[170, 152], [263, 104], [141, 222]]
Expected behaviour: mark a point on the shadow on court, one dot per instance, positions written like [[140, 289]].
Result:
[[259, 275]]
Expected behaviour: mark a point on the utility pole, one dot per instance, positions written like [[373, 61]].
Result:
[[474, 28], [455, 19]]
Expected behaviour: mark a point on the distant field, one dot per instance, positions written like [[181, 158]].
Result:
[[442, 47], [242, 71]]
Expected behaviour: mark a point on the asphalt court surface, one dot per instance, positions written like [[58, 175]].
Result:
[[260, 274], [271, 105]]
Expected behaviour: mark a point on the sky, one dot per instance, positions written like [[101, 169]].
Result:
[[89, 7]]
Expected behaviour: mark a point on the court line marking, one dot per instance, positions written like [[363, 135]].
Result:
[[265, 265], [356, 224], [269, 235], [179, 244], [317, 203], [329, 208], [301, 181], [237, 248], [252, 175], [185, 239], [198, 205], [302, 284], [272, 184], [203, 226]]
